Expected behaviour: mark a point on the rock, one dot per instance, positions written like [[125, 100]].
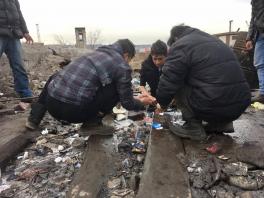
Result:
[[252, 153], [246, 195], [78, 142], [245, 183], [115, 183], [238, 169], [223, 194]]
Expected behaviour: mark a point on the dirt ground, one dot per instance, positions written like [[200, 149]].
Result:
[[235, 170]]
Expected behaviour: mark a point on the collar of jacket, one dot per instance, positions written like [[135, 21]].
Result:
[[186, 32]]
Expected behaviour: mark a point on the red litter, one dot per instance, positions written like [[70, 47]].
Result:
[[214, 148]]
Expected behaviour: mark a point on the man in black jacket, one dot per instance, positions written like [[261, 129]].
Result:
[[89, 87], [151, 67], [205, 78], [12, 29], [256, 35]]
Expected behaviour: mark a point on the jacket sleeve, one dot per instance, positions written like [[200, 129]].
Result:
[[173, 75], [142, 76], [23, 25], [124, 89], [252, 29]]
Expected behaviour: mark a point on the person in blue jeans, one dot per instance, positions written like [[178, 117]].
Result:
[[12, 29], [256, 36]]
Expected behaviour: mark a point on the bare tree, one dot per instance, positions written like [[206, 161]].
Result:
[[60, 39], [93, 38]]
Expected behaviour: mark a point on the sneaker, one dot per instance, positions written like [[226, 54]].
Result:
[[191, 129], [258, 98], [31, 126], [35, 116], [226, 127]]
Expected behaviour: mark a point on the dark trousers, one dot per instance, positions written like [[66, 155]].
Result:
[[104, 101], [183, 104]]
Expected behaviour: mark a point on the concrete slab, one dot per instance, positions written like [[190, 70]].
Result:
[[97, 165], [164, 175], [14, 137]]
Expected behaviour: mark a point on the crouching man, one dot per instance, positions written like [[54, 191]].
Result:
[[90, 87], [204, 77]]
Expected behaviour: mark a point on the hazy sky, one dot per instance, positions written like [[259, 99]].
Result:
[[142, 21]]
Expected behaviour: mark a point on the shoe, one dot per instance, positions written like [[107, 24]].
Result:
[[98, 126], [226, 127], [190, 129], [31, 126], [36, 115], [258, 98]]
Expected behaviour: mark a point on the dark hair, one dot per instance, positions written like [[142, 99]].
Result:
[[176, 32], [159, 48], [127, 47]]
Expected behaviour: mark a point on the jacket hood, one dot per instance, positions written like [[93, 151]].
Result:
[[178, 32]]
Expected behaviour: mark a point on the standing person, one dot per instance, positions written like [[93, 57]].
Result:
[[205, 78], [256, 36], [152, 66], [90, 87], [12, 28]]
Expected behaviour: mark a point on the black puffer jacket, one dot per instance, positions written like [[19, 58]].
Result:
[[209, 67], [12, 23], [257, 19], [150, 74]]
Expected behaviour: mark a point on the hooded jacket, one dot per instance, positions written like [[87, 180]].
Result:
[[219, 90], [257, 19], [12, 23]]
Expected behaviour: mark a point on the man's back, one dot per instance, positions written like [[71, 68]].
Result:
[[79, 81], [210, 68]]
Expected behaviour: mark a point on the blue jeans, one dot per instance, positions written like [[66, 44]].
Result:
[[259, 62], [12, 48]]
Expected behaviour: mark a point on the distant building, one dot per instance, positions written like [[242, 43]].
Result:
[[80, 35], [143, 48], [229, 38]]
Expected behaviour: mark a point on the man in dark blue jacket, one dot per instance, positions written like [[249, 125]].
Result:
[[205, 78], [89, 87], [12, 29], [256, 35]]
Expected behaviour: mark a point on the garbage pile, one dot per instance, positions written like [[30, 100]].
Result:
[[46, 168], [130, 142], [219, 176]]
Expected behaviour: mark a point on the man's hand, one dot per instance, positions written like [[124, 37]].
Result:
[[249, 45], [146, 99], [28, 38]]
